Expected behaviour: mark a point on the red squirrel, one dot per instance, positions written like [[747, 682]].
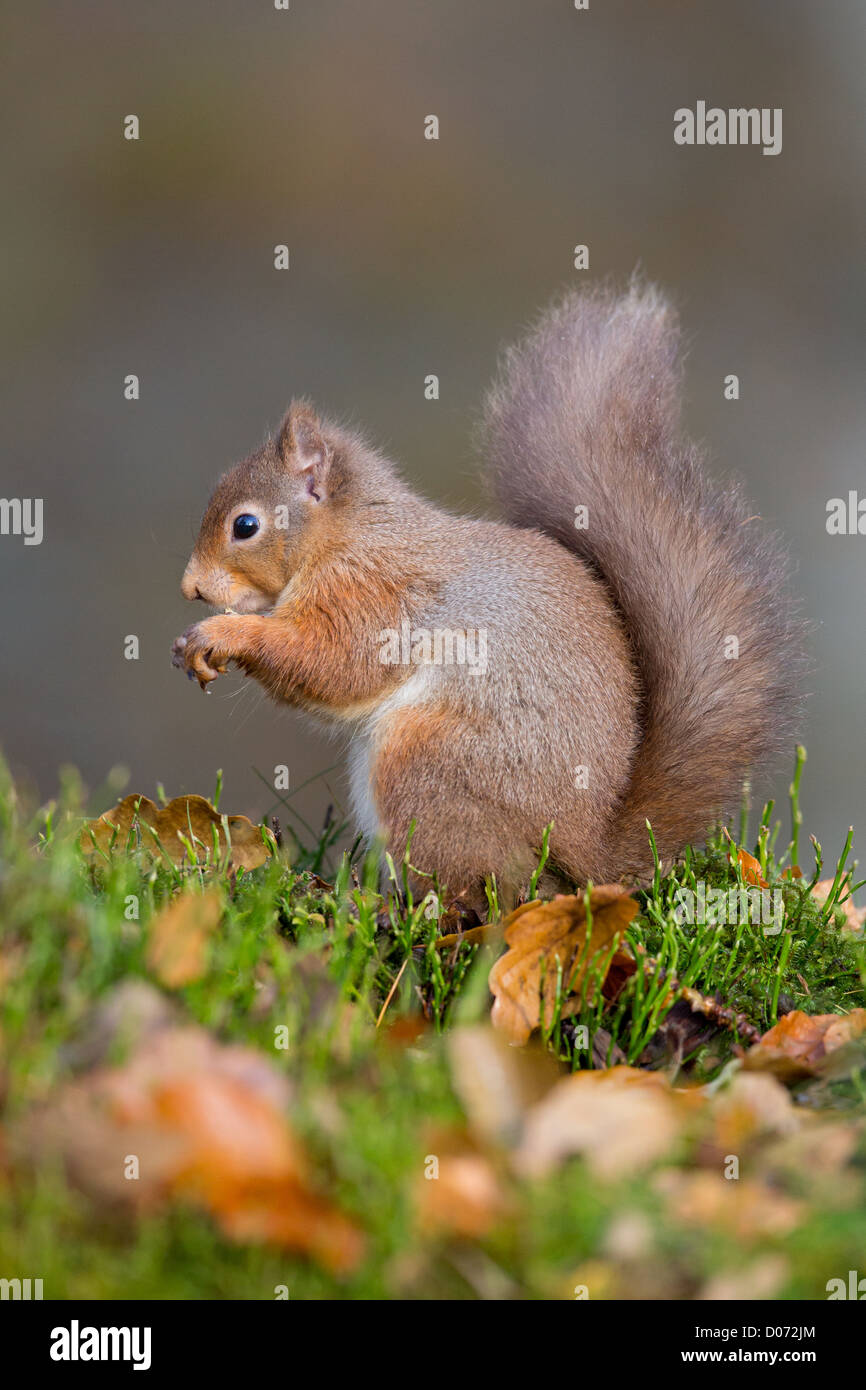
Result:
[[619, 649]]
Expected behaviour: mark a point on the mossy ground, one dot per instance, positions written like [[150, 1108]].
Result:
[[320, 951]]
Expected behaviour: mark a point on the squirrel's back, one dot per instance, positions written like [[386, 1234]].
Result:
[[585, 414]]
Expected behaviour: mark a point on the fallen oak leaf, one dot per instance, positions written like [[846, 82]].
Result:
[[799, 1044], [547, 942], [108, 1112], [179, 937], [752, 1104], [246, 1167], [620, 1121], [855, 917], [750, 1208], [466, 1198], [190, 817], [206, 1123], [496, 1083]]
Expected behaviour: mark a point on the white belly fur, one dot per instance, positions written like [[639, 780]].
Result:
[[362, 749]]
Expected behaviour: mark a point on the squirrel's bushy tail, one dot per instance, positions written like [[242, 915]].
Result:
[[585, 413]]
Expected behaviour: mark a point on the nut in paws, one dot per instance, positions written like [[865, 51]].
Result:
[[198, 651]]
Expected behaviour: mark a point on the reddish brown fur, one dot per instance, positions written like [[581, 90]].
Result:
[[605, 645]]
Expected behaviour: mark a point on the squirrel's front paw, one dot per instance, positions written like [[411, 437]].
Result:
[[199, 652]]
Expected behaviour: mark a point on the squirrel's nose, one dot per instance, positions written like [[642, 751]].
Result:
[[189, 584]]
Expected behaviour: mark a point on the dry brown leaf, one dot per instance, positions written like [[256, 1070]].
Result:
[[496, 1083], [541, 937], [207, 1125], [746, 1208], [246, 1167], [754, 1103], [855, 918], [178, 941], [799, 1043], [466, 1199], [620, 971], [619, 1120], [190, 816]]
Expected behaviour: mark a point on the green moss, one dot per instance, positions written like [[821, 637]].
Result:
[[322, 959]]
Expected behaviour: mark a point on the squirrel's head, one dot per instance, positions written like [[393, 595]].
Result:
[[248, 541]]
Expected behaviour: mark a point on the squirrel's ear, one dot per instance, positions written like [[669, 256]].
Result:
[[304, 450]]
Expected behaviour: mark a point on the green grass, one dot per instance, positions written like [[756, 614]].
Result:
[[322, 957]]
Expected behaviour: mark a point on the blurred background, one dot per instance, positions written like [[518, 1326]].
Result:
[[408, 257]]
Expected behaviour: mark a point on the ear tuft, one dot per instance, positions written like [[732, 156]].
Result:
[[304, 449]]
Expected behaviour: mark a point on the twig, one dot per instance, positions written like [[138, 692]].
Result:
[[392, 990]]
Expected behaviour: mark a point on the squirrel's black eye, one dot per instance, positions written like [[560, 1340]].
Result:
[[245, 526]]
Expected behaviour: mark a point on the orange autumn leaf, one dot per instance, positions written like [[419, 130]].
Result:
[[751, 869], [547, 940], [464, 1199], [206, 1124], [244, 1165], [405, 1031], [138, 820], [179, 936], [799, 1043]]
